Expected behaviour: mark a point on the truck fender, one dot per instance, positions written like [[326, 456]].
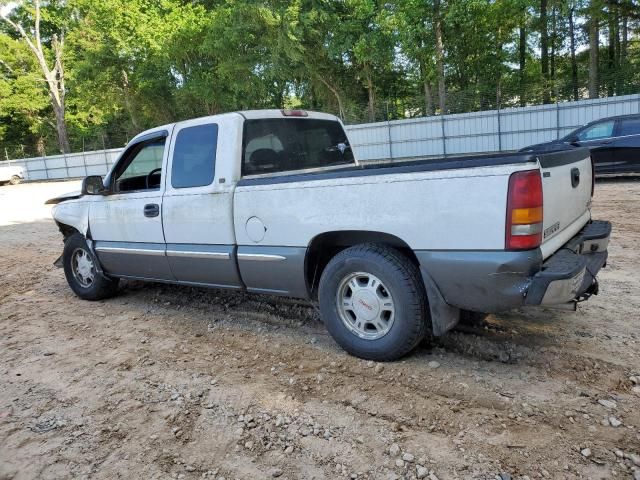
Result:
[[73, 214], [443, 316]]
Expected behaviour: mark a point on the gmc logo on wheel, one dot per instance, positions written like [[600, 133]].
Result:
[[368, 307]]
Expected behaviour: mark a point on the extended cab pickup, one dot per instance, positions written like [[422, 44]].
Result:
[[274, 202]]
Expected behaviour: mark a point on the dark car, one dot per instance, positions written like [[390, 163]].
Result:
[[614, 143]]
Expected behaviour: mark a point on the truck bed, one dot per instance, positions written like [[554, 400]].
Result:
[[547, 160]]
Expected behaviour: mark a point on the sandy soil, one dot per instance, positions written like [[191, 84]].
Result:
[[171, 382]]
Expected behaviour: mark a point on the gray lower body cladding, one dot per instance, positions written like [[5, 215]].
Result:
[[490, 281], [482, 281]]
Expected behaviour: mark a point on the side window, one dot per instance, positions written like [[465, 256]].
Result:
[[629, 126], [194, 156], [273, 145], [143, 168], [599, 130]]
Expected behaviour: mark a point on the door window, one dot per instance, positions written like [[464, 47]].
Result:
[[597, 131], [142, 170], [194, 156], [629, 126]]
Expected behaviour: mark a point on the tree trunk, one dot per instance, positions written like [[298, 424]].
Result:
[[427, 90], [625, 39], [61, 125], [574, 64], [127, 100], [428, 98], [552, 62], [372, 98], [522, 54], [439, 57], [544, 51], [620, 83], [593, 56], [336, 94], [611, 53]]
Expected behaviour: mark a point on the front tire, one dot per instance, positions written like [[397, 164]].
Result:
[[373, 302], [81, 273], [15, 180]]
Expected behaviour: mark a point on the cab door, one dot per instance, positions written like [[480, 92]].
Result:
[[598, 138], [198, 205], [627, 145], [126, 224]]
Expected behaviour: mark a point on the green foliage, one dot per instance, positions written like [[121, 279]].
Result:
[[133, 64]]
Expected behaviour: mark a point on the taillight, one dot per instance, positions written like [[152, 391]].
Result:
[[294, 113], [524, 211]]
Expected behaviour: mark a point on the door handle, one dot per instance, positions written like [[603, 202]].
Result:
[[151, 210], [605, 142]]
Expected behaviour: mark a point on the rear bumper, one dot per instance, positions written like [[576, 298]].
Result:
[[570, 273], [495, 281]]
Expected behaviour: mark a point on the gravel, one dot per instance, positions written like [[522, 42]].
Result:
[[610, 404]]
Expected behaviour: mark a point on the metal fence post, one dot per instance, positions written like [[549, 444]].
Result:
[[444, 138], [46, 169], [389, 133], [557, 120], [66, 165], [499, 130], [84, 160]]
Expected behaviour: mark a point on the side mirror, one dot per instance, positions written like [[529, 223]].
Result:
[[573, 140], [92, 185]]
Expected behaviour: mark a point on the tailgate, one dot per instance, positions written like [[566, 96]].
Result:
[[566, 189]]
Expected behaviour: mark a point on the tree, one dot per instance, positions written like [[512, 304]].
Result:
[[544, 50], [437, 22], [572, 50], [593, 27], [53, 75]]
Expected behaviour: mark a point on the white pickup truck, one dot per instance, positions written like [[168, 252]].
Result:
[[11, 174], [274, 202]]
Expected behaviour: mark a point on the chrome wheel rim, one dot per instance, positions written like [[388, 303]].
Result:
[[82, 267], [365, 305]]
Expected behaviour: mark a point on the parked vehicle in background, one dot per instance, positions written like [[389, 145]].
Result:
[[614, 143], [11, 174], [274, 202]]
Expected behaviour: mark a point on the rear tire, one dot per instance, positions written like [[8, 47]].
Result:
[[15, 180], [373, 302], [81, 273]]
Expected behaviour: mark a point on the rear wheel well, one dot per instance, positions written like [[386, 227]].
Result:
[[327, 245]]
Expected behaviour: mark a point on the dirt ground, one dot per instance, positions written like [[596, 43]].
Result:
[[173, 382]]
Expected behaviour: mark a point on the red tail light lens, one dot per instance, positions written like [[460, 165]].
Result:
[[524, 211]]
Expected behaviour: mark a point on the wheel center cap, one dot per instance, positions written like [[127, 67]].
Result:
[[366, 305], [84, 267]]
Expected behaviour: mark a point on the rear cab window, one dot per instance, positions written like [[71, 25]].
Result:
[[273, 145]]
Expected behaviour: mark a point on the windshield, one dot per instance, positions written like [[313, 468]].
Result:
[[283, 144]]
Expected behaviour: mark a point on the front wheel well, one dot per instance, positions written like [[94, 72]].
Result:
[[325, 246], [66, 230]]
